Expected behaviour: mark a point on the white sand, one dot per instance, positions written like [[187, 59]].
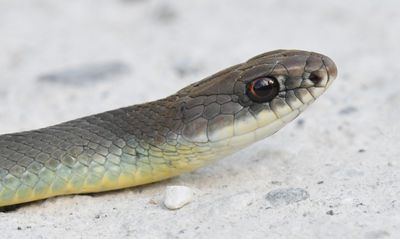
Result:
[[336, 168]]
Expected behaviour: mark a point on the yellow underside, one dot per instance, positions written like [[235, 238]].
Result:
[[107, 183]]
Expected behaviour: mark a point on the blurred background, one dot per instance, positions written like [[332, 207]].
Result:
[[65, 59]]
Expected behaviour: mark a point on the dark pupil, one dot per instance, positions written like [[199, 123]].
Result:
[[263, 89]]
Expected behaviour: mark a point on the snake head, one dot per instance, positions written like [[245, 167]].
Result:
[[253, 100]]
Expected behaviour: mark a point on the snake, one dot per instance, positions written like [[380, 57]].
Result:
[[152, 141]]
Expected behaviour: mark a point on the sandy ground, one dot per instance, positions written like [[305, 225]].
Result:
[[333, 173]]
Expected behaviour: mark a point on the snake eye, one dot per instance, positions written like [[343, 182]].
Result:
[[263, 89]]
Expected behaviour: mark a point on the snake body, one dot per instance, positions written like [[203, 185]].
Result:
[[149, 142]]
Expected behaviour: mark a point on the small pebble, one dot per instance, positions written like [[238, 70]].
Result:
[[177, 196], [286, 196], [348, 110], [330, 212]]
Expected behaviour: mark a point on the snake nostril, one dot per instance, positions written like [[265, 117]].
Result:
[[315, 77]]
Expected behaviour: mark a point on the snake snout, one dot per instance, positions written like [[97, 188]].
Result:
[[326, 69], [330, 68]]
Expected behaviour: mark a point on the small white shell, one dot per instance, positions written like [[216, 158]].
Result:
[[177, 196]]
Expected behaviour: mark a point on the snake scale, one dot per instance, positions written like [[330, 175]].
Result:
[[144, 143]]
